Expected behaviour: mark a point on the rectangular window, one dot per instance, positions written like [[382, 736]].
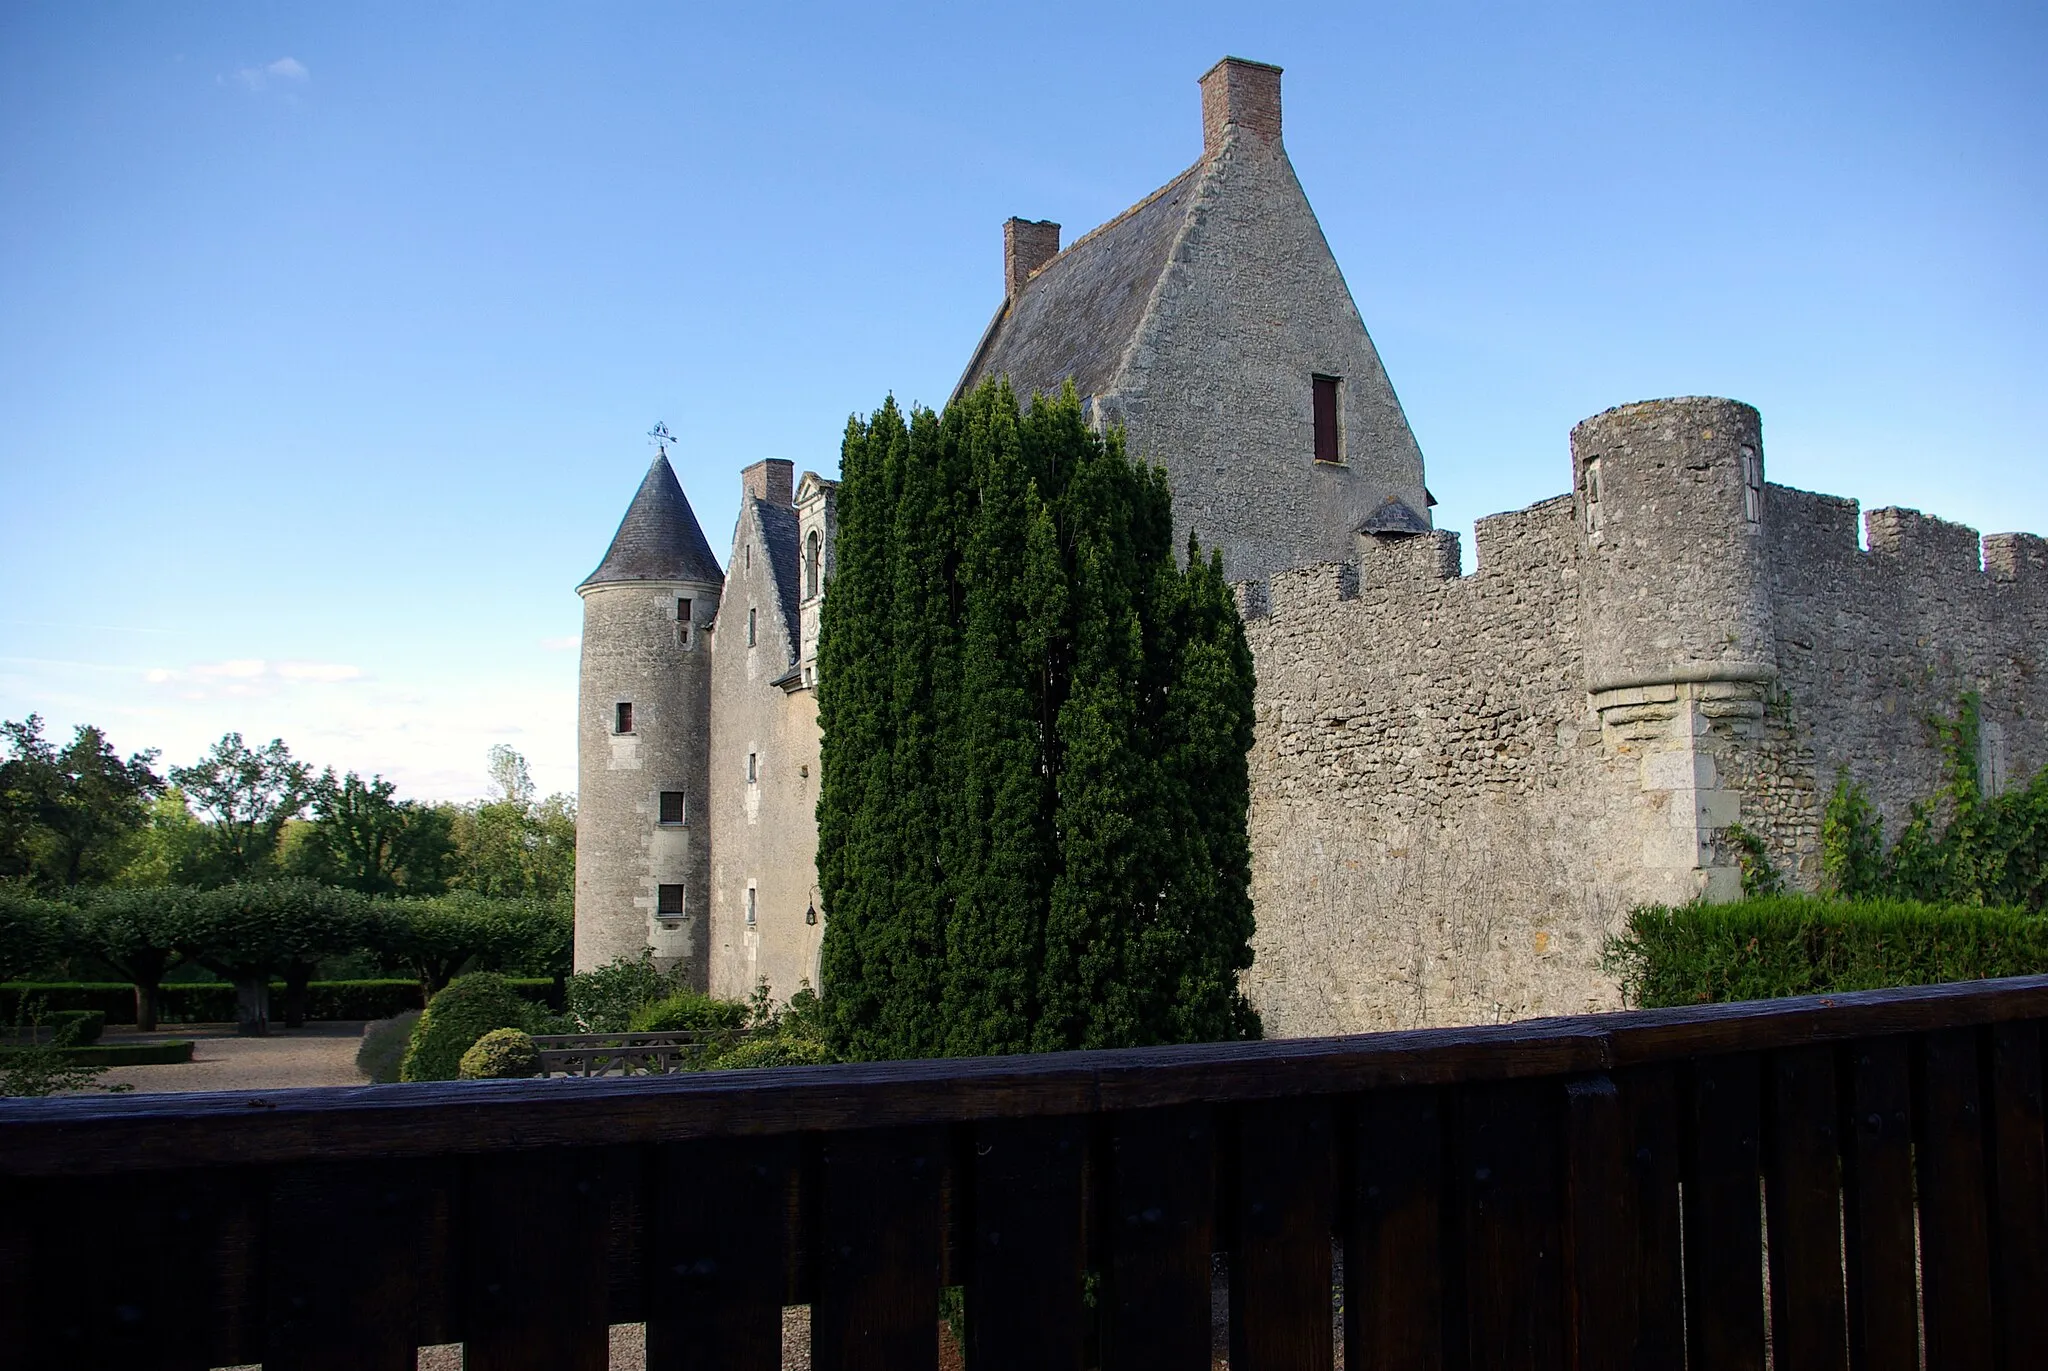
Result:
[[750, 628], [753, 767], [668, 901], [672, 807], [622, 721], [750, 905], [1327, 433], [683, 622]]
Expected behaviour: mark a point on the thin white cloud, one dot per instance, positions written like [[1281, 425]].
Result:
[[319, 671], [560, 644], [285, 70]]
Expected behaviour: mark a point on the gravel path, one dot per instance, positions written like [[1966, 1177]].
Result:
[[318, 1054]]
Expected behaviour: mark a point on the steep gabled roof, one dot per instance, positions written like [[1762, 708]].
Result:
[[1076, 317], [778, 527], [659, 539]]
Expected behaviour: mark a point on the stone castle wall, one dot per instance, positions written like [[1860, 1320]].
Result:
[[1462, 783]]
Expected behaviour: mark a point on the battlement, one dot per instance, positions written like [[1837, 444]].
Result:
[[2020, 557], [1912, 536]]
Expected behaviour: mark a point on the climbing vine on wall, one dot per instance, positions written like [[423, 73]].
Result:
[[1957, 846]]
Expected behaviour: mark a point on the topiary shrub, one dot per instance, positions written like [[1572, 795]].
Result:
[[469, 1007], [688, 1011], [384, 1044], [778, 1050], [499, 1055]]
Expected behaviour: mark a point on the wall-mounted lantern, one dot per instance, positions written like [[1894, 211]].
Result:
[[811, 913]]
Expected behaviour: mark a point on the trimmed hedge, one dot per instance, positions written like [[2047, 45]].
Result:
[[1760, 949], [169, 1052], [466, 1009], [214, 1001]]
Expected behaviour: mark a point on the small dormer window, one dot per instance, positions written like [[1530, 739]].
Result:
[[622, 717], [750, 628], [1329, 434], [813, 547]]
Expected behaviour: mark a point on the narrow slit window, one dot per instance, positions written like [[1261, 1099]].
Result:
[[750, 904], [1752, 486], [668, 901], [683, 608], [813, 554], [622, 717], [750, 628], [1328, 445], [753, 767], [672, 807], [1592, 495]]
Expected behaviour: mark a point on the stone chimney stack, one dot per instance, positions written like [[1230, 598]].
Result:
[[770, 479], [1027, 245], [1241, 94]]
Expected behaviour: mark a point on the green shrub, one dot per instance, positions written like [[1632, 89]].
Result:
[[1798, 945], [606, 999], [384, 1044], [501, 1054], [688, 1011], [468, 1008], [214, 1001], [772, 1049]]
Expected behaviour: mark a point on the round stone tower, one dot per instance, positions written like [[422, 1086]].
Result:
[[643, 735], [1672, 581]]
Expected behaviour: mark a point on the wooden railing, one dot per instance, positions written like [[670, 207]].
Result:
[[1591, 1192]]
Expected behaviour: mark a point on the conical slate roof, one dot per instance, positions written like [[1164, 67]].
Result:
[[659, 539]]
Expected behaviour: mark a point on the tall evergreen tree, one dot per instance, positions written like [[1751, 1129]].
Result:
[[1031, 817]]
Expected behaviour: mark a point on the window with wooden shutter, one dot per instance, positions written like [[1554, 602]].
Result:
[[1328, 446]]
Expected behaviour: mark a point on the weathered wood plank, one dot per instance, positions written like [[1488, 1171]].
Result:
[[1027, 1268], [1884, 1299], [2020, 1194], [717, 1238], [1393, 1239], [535, 1288], [1724, 1214], [1286, 1215], [191, 1298], [142, 1133], [1955, 1248], [1650, 1102], [1803, 1185], [876, 1306], [1511, 1182], [1160, 1234], [1603, 1286], [359, 1259]]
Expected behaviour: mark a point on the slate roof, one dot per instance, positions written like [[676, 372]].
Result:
[[1076, 317], [778, 527], [659, 539]]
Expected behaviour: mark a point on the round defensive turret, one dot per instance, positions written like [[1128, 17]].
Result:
[[1672, 582], [643, 873]]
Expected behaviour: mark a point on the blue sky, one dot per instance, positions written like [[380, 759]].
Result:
[[329, 334]]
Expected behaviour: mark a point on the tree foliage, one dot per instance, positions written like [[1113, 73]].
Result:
[[247, 795], [363, 837], [69, 815], [1036, 719]]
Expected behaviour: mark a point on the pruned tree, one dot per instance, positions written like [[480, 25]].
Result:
[[247, 795]]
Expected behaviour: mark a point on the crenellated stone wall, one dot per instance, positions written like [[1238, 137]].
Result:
[[1461, 783]]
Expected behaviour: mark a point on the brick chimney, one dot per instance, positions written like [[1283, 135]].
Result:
[[1240, 93], [1027, 245], [769, 479]]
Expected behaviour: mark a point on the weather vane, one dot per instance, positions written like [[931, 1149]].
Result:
[[661, 436]]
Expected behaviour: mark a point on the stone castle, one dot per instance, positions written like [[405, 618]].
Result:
[[1460, 782]]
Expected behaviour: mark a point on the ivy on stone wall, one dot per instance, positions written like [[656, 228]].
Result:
[[1957, 846], [1031, 818]]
